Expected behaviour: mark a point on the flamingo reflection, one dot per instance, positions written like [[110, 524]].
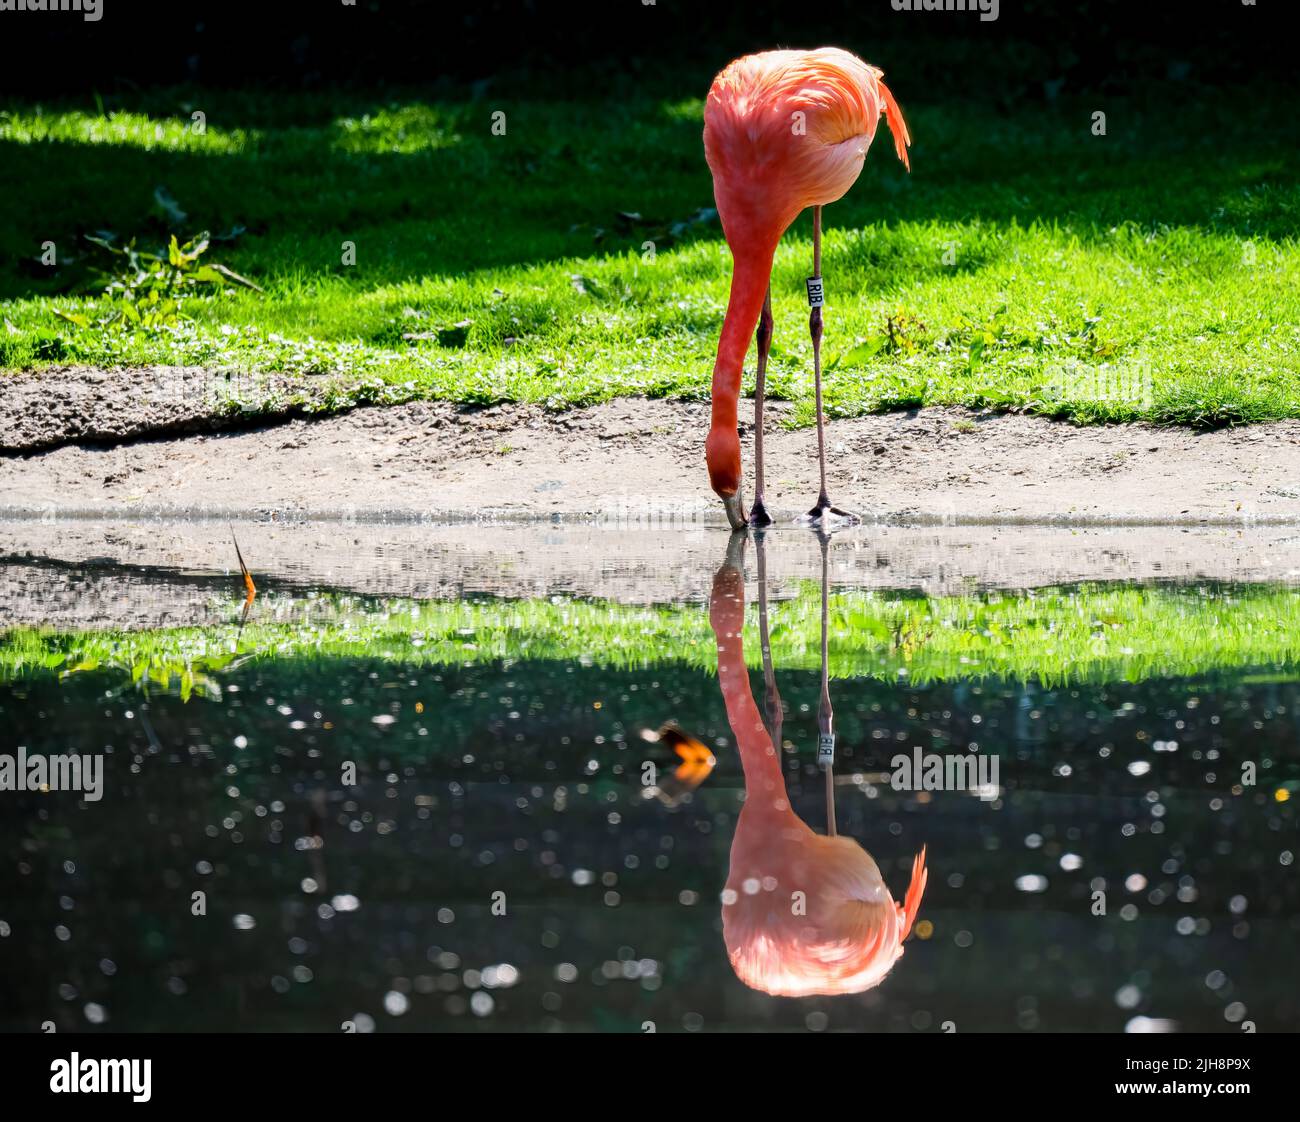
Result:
[[803, 913]]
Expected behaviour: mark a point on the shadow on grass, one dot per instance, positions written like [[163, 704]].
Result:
[[427, 189]]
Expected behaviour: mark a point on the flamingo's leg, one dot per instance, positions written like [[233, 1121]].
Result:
[[823, 511], [758, 516], [825, 714], [775, 715]]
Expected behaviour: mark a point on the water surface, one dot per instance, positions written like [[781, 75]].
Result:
[[464, 811]]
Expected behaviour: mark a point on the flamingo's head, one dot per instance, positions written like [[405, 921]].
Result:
[[722, 453]]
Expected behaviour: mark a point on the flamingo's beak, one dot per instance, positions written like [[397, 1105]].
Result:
[[735, 510]]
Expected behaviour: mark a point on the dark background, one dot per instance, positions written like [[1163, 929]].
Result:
[[296, 44]]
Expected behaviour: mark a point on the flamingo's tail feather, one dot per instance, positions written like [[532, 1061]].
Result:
[[915, 890], [897, 126]]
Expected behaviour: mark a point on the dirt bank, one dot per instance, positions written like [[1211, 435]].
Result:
[[631, 461], [70, 404]]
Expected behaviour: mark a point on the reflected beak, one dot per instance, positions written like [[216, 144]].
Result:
[[735, 511]]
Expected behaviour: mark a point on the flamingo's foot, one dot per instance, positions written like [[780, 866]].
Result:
[[758, 516], [826, 517]]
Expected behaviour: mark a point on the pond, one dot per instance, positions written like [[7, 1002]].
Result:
[[556, 779]]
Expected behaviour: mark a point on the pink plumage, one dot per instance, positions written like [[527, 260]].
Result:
[[783, 131]]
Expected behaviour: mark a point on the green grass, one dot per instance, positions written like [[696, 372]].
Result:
[[1025, 263], [1057, 636]]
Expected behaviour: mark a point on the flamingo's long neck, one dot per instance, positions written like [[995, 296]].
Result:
[[764, 782], [751, 275]]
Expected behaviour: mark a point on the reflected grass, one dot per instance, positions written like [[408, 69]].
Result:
[[1059, 636]]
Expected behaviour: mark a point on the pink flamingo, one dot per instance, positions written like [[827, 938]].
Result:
[[783, 130], [803, 913]]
